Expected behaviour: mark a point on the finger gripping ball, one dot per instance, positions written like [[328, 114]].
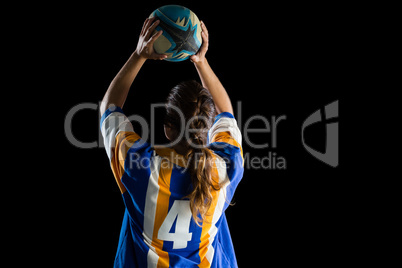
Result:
[[181, 37]]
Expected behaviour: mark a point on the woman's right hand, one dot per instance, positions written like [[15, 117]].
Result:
[[145, 46], [199, 57]]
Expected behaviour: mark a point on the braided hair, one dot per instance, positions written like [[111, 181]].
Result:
[[198, 109]]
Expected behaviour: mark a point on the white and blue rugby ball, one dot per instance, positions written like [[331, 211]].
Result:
[[181, 37]]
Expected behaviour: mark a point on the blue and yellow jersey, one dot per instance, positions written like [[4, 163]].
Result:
[[158, 229]]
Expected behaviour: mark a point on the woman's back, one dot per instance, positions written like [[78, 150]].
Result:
[[158, 224]]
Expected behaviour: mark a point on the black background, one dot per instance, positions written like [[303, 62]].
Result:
[[276, 60]]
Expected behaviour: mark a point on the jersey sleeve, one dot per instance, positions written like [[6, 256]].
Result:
[[225, 130], [118, 136], [225, 140]]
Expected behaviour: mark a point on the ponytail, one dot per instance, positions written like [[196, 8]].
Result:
[[199, 110], [200, 168]]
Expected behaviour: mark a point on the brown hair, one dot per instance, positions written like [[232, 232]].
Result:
[[198, 109]]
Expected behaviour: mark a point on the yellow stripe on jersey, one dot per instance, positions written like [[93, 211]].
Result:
[[162, 208], [225, 137], [206, 226], [171, 155], [124, 141]]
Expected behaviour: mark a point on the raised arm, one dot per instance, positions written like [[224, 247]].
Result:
[[120, 86], [208, 78]]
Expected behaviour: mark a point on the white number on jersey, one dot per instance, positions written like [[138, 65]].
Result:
[[180, 210]]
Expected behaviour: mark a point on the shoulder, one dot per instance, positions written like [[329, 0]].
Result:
[[225, 138], [225, 129]]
